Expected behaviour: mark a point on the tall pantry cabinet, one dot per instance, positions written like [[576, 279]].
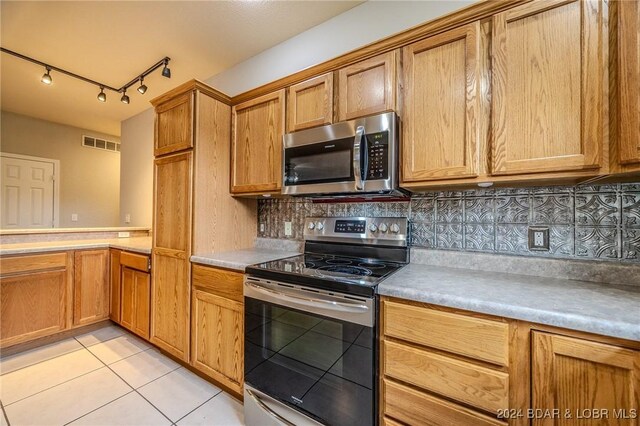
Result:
[[193, 211]]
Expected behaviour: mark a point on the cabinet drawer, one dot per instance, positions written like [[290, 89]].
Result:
[[219, 282], [465, 382], [413, 407], [476, 338], [135, 261], [18, 264]]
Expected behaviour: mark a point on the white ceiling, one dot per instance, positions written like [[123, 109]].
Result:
[[113, 41]]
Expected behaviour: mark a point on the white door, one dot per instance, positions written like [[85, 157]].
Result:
[[27, 199]]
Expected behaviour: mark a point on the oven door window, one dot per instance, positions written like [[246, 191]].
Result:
[[321, 366], [326, 162]]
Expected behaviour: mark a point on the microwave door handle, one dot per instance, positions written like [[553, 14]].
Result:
[[357, 169]]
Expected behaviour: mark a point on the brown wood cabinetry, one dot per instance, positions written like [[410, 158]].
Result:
[[136, 293], [35, 294], [367, 87], [310, 103], [116, 285], [256, 149], [91, 286], [580, 376], [548, 87], [174, 125], [217, 333], [443, 115]]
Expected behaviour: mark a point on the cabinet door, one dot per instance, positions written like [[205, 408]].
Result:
[[32, 305], [442, 127], [367, 87], [217, 338], [91, 286], [576, 375], [258, 128], [629, 70], [128, 297], [310, 103], [547, 84], [115, 282], [142, 291], [171, 250], [174, 125]]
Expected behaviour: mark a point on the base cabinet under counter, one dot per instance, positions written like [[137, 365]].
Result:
[[131, 292]]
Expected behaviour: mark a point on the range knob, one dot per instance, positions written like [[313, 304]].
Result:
[[373, 227], [395, 228], [319, 226], [383, 227], [311, 225]]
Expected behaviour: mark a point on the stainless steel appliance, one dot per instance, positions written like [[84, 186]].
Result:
[[352, 157], [311, 324]]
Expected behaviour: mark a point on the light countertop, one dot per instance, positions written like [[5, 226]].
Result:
[[240, 259], [70, 230], [136, 244], [609, 310]]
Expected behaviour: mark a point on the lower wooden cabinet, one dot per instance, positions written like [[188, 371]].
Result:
[[115, 283], [136, 294], [91, 286], [217, 326], [34, 296]]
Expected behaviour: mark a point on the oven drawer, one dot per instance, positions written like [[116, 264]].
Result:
[[476, 338], [414, 407], [463, 381]]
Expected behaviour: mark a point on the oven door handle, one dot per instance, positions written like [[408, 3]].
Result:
[[268, 410], [307, 301], [357, 162]]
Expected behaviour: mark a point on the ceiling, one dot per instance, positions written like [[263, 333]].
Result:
[[113, 41]]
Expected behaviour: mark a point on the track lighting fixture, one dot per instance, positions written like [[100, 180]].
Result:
[[124, 99], [166, 72], [142, 88], [102, 96], [46, 78]]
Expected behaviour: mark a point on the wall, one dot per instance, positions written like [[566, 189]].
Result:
[[89, 178], [136, 170], [585, 222], [355, 28]]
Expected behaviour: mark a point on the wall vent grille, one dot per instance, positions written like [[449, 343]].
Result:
[[98, 143]]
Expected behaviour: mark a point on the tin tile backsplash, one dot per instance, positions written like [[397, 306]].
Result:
[[589, 222]]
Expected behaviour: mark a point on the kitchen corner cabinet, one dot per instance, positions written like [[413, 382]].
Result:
[[174, 125], [35, 295], [443, 132], [136, 293], [367, 87], [115, 283], [579, 375], [217, 332], [310, 103], [91, 286], [256, 148], [548, 87]]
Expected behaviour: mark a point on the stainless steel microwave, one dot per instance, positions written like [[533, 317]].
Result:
[[351, 158]]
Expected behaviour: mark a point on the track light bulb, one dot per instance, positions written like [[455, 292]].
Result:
[[124, 99], [143, 88], [166, 72], [102, 97], [46, 78]]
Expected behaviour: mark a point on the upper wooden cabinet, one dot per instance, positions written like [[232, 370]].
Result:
[[442, 132], [628, 94], [91, 286], [258, 128], [548, 67], [310, 103], [580, 376], [174, 125], [367, 87]]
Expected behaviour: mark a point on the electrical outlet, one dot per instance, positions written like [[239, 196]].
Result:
[[74, 217], [127, 218], [288, 229], [262, 227], [539, 238], [124, 234]]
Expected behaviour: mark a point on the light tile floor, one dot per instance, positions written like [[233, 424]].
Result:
[[108, 377]]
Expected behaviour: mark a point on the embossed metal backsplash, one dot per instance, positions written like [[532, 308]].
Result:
[[591, 222]]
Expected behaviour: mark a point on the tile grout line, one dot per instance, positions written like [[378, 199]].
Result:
[[4, 414], [40, 362], [96, 409], [182, 418]]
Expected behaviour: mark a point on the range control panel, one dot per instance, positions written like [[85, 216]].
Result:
[[378, 156], [365, 230]]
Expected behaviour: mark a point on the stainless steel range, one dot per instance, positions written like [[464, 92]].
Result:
[[311, 324]]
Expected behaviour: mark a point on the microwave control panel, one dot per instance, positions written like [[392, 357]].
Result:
[[378, 156]]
